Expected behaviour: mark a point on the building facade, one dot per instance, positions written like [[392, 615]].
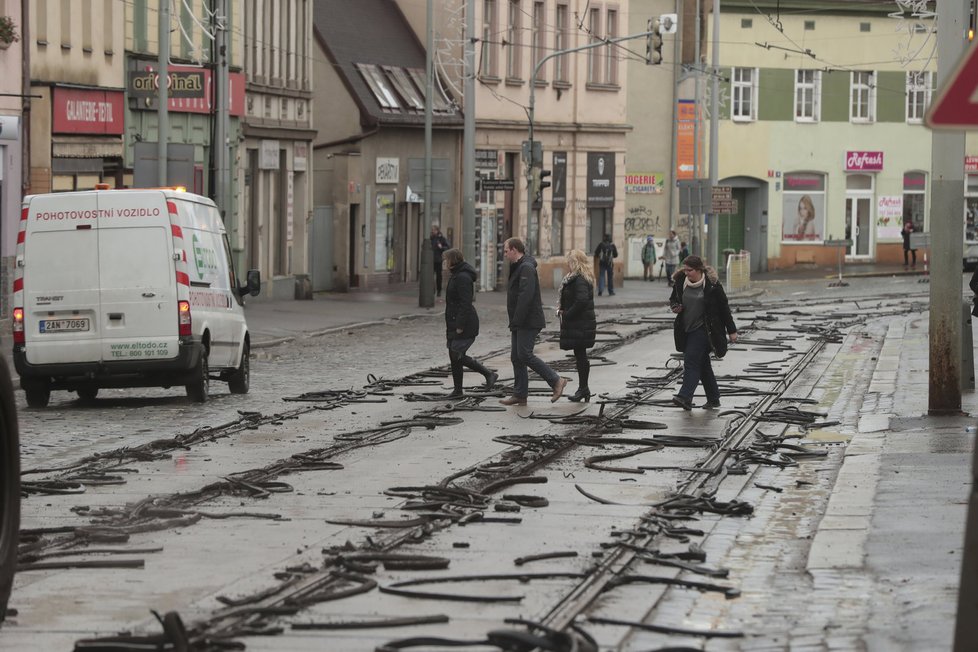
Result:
[[273, 164], [822, 137], [371, 214], [12, 145]]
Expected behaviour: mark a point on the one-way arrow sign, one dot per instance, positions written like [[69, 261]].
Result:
[[956, 106]]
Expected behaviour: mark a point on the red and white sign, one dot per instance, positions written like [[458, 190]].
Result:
[[956, 105], [971, 163], [83, 111], [864, 161]]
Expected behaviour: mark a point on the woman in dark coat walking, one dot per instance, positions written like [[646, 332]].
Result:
[[462, 321], [575, 309], [703, 324]]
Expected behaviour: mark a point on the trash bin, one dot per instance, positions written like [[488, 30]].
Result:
[[303, 287]]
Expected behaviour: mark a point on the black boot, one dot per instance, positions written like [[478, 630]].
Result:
[[582, 394], [583, 375], [473, 364], [456, 374]]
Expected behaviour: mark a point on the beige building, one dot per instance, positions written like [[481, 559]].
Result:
[[274, 167], [579, 117]]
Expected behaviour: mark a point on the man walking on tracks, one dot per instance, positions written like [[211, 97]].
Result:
[[526, 320]]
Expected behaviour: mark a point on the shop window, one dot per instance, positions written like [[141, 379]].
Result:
[[971, 209], [914, 199], [803, 207]]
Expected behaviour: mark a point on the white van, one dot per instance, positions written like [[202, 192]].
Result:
[[127, 288]]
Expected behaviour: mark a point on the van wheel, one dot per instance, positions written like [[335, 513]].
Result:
[[87, 393], [9, 487], [199, 389], [240, 378], [38, 392]]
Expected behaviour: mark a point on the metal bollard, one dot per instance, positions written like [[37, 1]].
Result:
[[966, 627], [967, 349]]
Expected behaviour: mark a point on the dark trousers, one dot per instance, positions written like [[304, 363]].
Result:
[[459, 358], [438, 278], [522, 356], [910, 251], [608, 270], [583, 367], [697, 367], [670, 270]]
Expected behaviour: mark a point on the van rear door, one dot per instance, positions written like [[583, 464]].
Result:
[[138, 281], [61, 279]]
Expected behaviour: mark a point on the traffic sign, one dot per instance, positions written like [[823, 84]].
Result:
[[955, 107]]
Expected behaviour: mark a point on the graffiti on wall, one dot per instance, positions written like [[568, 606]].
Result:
[[641, 222]]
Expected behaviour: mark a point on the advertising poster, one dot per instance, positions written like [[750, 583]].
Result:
[[803, 208], [889, 217], [685, 140], [644, 183]]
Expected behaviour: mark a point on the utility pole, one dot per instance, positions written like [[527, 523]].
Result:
[[426, 275], [163, 95], [713, 231], [468, 139], [222, 177], [946, 227], [695, 240]]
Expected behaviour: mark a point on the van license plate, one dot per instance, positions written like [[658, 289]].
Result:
[[63, 325]]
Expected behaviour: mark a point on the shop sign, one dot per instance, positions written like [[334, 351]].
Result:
[[9, 127], [84, 111], [268, 155], [889, 216], [864, 161], [600, 179], [558, 192], [644, 183], [189, 90], [486, 159], [300, 156], [388, 170], [971, 163]]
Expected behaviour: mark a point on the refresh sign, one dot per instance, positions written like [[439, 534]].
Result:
[[9, 127]]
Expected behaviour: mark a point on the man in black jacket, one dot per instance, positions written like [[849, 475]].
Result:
[[439, 245], [525, 321], [606, 253]]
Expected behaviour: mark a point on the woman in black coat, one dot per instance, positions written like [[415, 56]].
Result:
[[703, 324], [575, 309], [462, 321]]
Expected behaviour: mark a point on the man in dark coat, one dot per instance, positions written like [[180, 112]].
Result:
[[606, 253], [462, 321], [525, 308], [439, 245], [702, 325]]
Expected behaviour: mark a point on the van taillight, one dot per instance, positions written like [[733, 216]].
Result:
[[183, 313], [18, 325]]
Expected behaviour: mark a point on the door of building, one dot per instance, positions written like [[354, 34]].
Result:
[[730, 228], [859, 216]]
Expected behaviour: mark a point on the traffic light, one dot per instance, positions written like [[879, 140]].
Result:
[[653, 42], [541, 184]]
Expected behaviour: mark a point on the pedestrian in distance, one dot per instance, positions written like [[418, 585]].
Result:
[[907, 251], [683, 252], [606, 252], [439, 245], [702, 325], [648, 258], [525, 309], [973, 284], [462, 321], [670, 254], [578, 325]]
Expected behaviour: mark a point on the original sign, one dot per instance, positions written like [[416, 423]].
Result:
[[83, 111], [146, 83], [183, 96]]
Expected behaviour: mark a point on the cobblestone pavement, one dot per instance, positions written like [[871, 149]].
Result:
[[858, 551]]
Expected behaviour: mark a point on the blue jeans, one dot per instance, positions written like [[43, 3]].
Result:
[[521, 355], [697, 367], [609, 270]]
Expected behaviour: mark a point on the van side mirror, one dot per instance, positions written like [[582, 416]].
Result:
[[253, 286]]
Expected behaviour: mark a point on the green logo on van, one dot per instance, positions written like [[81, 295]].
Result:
[[204, 258]]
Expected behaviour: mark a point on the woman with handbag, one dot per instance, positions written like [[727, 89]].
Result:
[[462, 321], [575, 309]]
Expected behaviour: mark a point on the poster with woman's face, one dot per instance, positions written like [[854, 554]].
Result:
[[803, 217]]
